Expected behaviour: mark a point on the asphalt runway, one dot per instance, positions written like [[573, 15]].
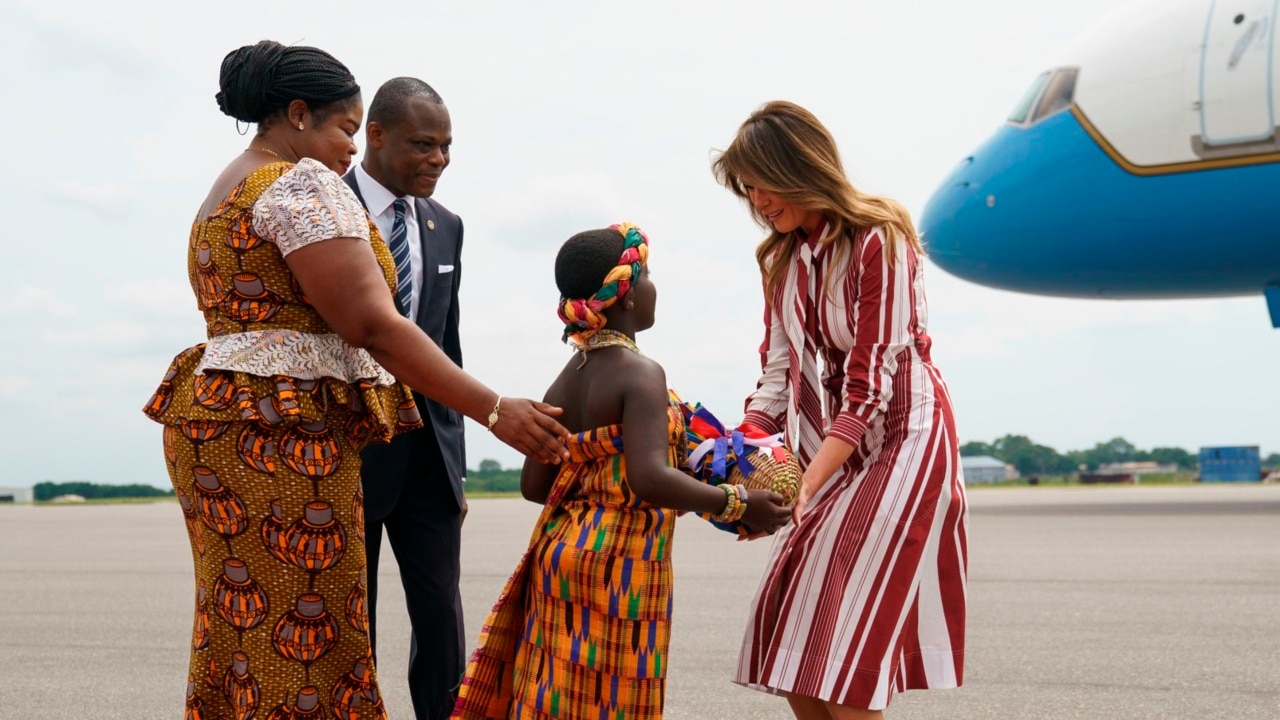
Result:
[[1116, 602]]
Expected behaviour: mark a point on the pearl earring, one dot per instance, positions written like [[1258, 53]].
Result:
[[299, 124]]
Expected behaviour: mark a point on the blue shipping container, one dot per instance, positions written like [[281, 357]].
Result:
[[1230, 464]]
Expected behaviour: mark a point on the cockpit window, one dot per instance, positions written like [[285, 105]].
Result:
[[1028, 101], [1051, 92], [1058, 94]]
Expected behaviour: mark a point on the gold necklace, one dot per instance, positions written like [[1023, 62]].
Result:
[[603, 339], [268, 151]]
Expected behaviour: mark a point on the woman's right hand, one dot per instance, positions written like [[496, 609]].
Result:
[[530, 427], [766, 511]]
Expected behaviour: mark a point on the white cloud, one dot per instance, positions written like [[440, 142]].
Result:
[[981, 322], [12, 386], [30, 300], [167, 297], [107, 199], [546, 208], [138, 378], [106, 335]]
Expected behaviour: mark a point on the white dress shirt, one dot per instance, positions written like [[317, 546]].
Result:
[[379, 201]]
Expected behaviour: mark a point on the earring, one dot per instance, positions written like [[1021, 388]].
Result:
[[630, 306], [299, 124]]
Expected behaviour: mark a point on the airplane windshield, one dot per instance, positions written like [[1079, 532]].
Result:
[[1028, 100], [1051, 92], [1058, 94]]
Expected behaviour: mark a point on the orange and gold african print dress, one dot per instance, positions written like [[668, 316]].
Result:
[[263, 425], [581, 629]]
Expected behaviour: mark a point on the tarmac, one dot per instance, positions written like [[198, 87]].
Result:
[[1100, 602]]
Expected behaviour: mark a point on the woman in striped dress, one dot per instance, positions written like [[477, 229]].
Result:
[[864, 594]]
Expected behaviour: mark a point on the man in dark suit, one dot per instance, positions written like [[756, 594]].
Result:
[[413, 486]]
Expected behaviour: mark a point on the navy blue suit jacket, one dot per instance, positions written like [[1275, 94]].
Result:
[[387, 467]]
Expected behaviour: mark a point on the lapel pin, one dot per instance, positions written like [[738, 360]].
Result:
[[431, 224]]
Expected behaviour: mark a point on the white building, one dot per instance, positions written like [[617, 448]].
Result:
[[985, 469], [1137, 468], [16, 495]]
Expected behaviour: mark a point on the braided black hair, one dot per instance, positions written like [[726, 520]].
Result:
[[391, 103], [259, 81], [584, 260]]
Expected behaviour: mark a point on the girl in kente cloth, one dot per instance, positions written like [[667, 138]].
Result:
[[581, 629]]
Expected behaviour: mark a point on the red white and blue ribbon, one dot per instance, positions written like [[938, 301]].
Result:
[[727, 447]]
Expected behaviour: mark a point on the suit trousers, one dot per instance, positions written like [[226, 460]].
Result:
[[424, 527]]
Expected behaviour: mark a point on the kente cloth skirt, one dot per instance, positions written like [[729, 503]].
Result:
[[276, 522], [582, 628]]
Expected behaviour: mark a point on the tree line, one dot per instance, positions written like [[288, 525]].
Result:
[[94, 491], [1020, 451], [490, 477], [1031, 458]]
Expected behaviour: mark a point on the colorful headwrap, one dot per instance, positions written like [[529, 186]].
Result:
[[585, 317]]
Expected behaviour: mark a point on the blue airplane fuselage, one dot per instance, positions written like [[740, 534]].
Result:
[[1148, 166], [1045, 210]]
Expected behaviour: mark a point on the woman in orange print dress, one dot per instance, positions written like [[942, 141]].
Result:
[[582, 628], [864, 595], [306, 362]]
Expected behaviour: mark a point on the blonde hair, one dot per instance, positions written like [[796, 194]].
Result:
[[784, 149]]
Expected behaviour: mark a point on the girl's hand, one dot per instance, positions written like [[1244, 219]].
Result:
[[765, 511]]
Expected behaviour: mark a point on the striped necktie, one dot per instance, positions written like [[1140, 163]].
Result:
[[399, 245]]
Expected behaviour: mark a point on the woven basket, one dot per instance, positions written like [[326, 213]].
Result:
[[769, 474]]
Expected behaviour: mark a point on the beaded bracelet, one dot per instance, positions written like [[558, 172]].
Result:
[[729, 494], [735, 505]]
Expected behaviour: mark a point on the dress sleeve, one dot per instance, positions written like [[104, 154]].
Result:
[[308, 204], [767, 406], [881, 329]]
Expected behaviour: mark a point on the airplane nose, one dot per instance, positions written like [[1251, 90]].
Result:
[[1008, 217], [939, 222]]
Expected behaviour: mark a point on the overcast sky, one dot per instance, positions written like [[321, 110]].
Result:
[[566, 116]]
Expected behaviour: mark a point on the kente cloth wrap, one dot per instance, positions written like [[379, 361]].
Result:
[[580, 632], [263, 426], [584, 317]]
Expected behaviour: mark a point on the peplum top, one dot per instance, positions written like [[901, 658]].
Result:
[[269, 357]]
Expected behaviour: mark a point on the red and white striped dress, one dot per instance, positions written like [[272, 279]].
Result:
[[866, 597]]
